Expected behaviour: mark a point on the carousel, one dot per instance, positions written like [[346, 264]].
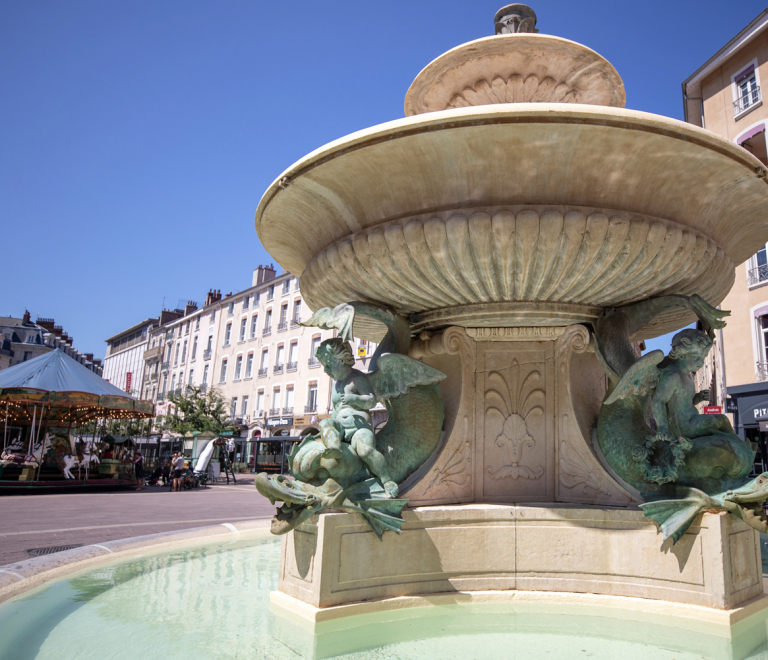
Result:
[[57, 419]]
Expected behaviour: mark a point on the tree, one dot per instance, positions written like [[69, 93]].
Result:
[[194, 410]]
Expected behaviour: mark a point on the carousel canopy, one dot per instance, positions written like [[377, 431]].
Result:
[[57, 372], [56, 381]]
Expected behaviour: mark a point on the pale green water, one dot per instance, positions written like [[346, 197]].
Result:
[[213, 603]]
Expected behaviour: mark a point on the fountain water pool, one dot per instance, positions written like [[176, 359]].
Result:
[[213, 602]]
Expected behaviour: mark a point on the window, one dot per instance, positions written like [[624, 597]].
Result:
[[244, 406], [181, 380], [223, 377], [276, 398], [191, 376], [296, 311], [249, 366], [197, 323], [26, 356], [176, 356], [246, 302], [746, 89], [757, 268], [173, 382], [286, 286], [184, 353], [243, 324], [205, 375], [288, 409], [311, 398], [231, 308], [256, 298], [253, 326], [313, 361], [264, 358], [213, 316], [210, 343], [227, 334], [268, 321], [260, 400], [165, 383], [283, 313], [279, 358], [270, 292], [186, 328], [194, 347], [295, 283], [233, 407], [238, 366]]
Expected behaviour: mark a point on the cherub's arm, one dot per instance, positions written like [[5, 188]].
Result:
[[665, 390], [358, 393], [700, 396]]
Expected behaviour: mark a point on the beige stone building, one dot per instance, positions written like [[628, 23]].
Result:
[[724, 95]]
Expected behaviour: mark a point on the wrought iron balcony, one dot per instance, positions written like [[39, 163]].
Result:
[[153, 376], [277, 369], [761, 371], [295, 322], [237, 420], [757, 275], [164, 366], [207, 353], [288, 410], [291, 366], [745, 102], [263, 372], [266, 332], [313, 362], [274, 412], [310, 408], [282, 327]]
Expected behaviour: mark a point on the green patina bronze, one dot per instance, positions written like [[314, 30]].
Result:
[[348, 465], [653, 436]]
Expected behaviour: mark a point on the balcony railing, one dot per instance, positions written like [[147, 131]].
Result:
[[757, 275], [288, 410], [258, 414], [282, 327], [164, 366], [153, 377], [266, 332], [743, 103], [263, 372], [295, 322], [291, 366], [152, 353], [237, 420], [310, 408], [313, 362], [160, 397], [274, 412], [207, 353], [761, 371], [277, 369]]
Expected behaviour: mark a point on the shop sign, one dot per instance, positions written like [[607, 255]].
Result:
[[764, 427], [279, 421], [300, 421], [731, 405], [761, 413], [128, 379], [713, 410]]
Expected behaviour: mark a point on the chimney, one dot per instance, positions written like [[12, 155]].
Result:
[[45, 323], [258, 275], [89, 357], [190, 307], [27, 317], [269, 272], [58, 331], [166, 316], [214, 295]]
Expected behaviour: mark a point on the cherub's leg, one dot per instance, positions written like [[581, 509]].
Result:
[[364, 444], [331, 435]]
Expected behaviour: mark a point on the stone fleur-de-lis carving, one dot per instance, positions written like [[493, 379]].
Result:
[[514, 405]]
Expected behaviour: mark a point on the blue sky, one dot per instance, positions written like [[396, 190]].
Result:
[[138, 137]]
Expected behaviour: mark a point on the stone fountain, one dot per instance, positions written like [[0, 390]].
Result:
[[512, 236]]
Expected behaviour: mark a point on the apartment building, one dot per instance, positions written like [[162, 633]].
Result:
[[724, 95], [124, 361], [21, 339]]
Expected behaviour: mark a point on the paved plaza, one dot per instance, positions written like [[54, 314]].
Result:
[[41, 521]]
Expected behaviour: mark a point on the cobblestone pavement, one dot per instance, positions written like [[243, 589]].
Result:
[[41, 521]]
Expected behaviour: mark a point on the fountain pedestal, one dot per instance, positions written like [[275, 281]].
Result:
[[518, 498]]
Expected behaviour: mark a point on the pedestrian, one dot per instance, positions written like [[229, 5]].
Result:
[[138, 464], [178, 468], [165, 472]]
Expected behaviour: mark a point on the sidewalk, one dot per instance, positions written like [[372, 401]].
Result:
[[41, 521]]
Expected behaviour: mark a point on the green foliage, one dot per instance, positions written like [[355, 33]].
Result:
[[194, 410]]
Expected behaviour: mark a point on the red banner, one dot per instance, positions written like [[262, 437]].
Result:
[[128, 378], [713, 410]]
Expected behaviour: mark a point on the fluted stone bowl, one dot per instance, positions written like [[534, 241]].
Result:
[[525, 214]]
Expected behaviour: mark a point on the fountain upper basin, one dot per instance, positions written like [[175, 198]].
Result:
[[518, 214]]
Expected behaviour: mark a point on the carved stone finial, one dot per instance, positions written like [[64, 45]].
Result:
[[515, 18]]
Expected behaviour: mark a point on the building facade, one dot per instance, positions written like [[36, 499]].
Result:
[[124, 361], [724, 95], [250, 347], [22, 340]]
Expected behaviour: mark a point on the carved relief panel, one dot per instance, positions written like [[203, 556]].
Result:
[[515, 420]]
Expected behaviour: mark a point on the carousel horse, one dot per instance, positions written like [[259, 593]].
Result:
[[85, 455], [32, 459]]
